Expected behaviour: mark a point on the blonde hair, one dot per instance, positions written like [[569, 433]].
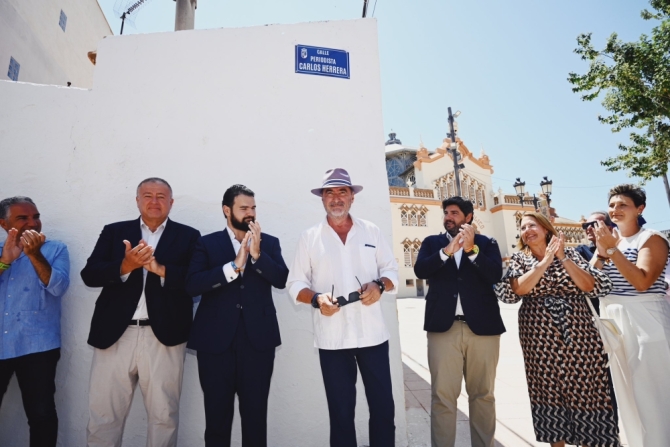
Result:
[[544, 223]]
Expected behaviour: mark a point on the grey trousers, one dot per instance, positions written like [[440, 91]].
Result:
[[137, 357], [453, 355]]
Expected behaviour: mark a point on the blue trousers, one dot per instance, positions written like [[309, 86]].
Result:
[[338, 368], [36, 374], [241, 370]]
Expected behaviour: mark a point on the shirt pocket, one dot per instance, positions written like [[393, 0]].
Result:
[[368, 260]]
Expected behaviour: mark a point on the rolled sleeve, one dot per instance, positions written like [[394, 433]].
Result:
[[60, 272], [387, 265], [299, 276]]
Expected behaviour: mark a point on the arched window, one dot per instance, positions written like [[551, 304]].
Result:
[[422, 217], [403, 218]]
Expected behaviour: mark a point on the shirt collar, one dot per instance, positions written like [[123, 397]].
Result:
[[161, 227], [231, 235]]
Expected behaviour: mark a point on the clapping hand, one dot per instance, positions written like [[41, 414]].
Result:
[[241, 259], [467, 233], [255, 246], [136, 257], [455, 244], [605, 238], [12, 248], [32, 241]]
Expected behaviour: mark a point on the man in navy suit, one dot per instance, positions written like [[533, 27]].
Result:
[[141, 320], [235, 330], [463, 323]]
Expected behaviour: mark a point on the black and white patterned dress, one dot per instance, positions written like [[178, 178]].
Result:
[[563, 354]]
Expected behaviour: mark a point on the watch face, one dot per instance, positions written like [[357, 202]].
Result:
[[610, 251]]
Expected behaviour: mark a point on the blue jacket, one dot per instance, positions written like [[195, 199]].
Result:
[[223, 302], [472, 280]]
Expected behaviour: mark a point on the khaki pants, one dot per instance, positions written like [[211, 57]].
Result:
[[137, 357], [453, 355]]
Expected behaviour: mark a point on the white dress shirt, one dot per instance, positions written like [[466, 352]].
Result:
[[457, 257], [323, 261], [151, 238]]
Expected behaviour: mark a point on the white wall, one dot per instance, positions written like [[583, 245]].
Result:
[[204, 110], [29, 32]]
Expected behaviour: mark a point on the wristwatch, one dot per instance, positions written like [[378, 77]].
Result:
[[611, 251], [381, 285]]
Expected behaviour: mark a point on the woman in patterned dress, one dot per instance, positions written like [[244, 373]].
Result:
[[563, 354], [635, 259]]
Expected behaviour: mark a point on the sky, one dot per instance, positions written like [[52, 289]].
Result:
[[503, 64]]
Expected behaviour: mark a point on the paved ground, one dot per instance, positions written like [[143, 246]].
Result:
[[515, 425]]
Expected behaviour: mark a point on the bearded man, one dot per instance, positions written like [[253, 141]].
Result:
[[463, 323], [235, 329]]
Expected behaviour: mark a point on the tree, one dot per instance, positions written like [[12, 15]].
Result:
[[635, 81]]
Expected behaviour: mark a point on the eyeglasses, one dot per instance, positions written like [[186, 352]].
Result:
[[587, 225], [352, 298]]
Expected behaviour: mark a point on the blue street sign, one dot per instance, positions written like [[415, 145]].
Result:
[[321, 61]]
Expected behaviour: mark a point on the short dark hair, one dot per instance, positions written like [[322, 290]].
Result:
[[465, 206], [633, 192], [608, 221], [6, 203], [154, 180], [234, 191]]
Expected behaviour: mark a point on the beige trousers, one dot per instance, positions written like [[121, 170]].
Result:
[[137, 357], [453, 355]]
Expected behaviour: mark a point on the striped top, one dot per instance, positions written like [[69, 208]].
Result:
[[630, 246]]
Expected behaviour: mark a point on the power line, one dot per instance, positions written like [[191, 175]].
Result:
[[373, 8]]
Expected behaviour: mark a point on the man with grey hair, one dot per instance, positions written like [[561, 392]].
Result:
[[34, 275], [586, 251], [142, 318]]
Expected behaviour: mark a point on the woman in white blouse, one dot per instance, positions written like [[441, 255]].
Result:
[[635, 260]]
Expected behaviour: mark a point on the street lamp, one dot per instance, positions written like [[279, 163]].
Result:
[[546, 189], [453, 149], [520, 188]]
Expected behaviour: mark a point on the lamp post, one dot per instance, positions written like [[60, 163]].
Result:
[[453, 149], [520, 188], [545, 184]]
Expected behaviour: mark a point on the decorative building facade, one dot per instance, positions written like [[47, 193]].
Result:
[[418, 182]]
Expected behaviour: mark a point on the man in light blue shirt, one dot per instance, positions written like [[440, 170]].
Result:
[[34, 275]]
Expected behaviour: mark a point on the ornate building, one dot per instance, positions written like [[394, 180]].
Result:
[[418, 182]]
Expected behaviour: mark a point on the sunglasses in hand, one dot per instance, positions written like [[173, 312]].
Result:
[[352, 298]]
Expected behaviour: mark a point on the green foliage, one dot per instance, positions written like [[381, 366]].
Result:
[[634, 78]]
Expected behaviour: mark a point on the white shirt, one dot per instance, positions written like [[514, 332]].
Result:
[[228, 270], [457, 257], [323, 261], [151, 238]]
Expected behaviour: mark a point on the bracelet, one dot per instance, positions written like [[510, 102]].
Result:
[[564, 259], [315, 301], [235, 267], [4, 266], [381, 285], [448, 255]]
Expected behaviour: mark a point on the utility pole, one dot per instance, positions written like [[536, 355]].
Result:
[[185, 15], [365, 8], [455, 155]]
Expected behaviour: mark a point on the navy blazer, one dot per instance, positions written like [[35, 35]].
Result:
[[249, 294], [473, 280], [170, 308]]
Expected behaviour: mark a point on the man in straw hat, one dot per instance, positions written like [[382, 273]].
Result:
[[342, 266]]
